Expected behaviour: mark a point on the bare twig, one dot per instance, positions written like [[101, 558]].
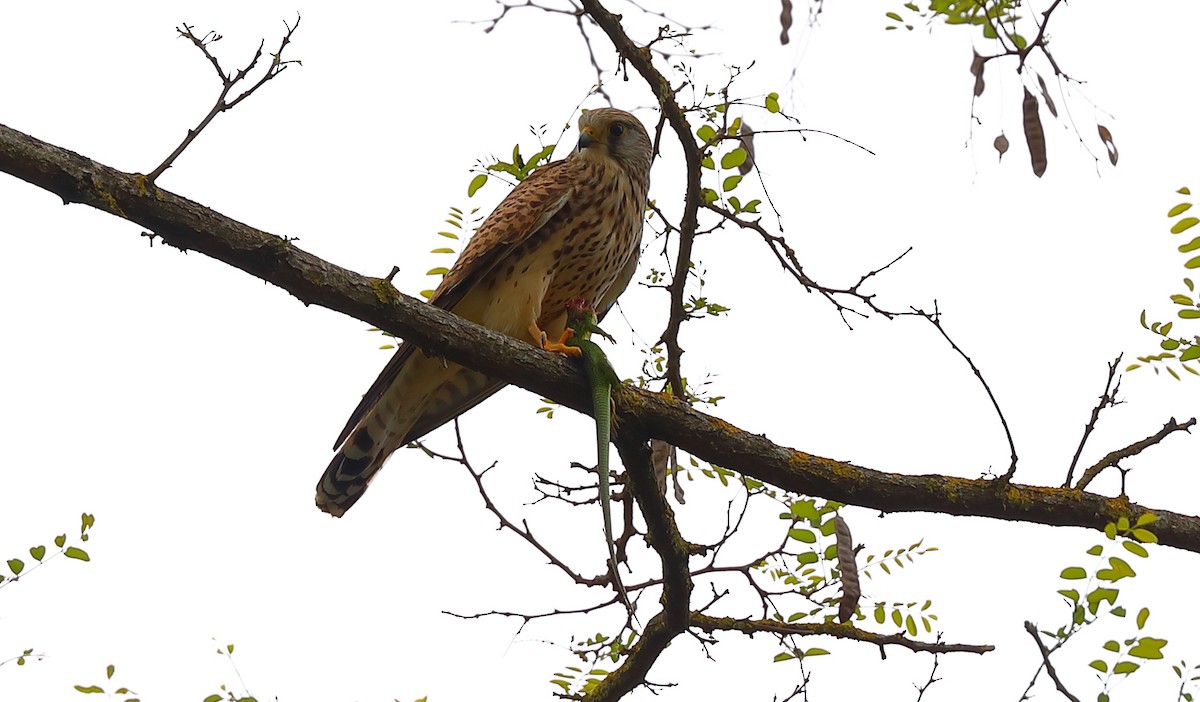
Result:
[[228, 81], [789, 262], [932, 675], [1107, 399], [935, 320], [1132, 450], [1046, 662]]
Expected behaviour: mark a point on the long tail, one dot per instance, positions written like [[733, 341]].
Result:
[[384, 421], [420, 396]]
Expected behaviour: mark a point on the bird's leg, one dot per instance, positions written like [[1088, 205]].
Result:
[[559, 346]]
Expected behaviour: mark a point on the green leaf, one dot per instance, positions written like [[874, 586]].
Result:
[[1184, 224], [1122, 567], [1145, 536], [1148, 648], [816, 652], [709, 195], [89, 689], [16, 566], [1101, 594], [37, 552], [911, 625], [77, 554], [1125, 668], [879, 614], [1135, 548], [1146, 518], [1072, 595], [1110, 530], [1112, 646], [707, 162], [706, 133], [734, 158], [476, 183], [807, 558], [213, 698], [1190, 246], [448, 235], [1179, 209], [803, 535], [1073, 573], [1099, 665], [730, 183], [1142, 616], [1095, 550], [440, 270], [780, 657], [60, 540], [772, 103]]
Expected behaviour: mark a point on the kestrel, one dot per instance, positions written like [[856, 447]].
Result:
[[572, 229]]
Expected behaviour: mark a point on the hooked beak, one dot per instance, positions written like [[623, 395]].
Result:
[[587, 137]]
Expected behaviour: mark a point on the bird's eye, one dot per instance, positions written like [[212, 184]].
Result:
[[616, 129]]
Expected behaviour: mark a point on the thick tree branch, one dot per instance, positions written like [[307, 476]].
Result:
[[188, 225]]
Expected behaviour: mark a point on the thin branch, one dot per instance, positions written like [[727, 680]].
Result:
[[639, 58], [1107, 399], [1046, 661], [1133, 449], [228, 81], [935, 320], [840, 631], [932, 675]]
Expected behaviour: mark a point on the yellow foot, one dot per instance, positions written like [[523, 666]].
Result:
[[559, 346]]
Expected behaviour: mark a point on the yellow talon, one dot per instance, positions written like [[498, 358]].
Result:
[[559, 346]]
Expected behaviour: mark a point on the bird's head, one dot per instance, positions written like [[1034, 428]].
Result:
[[609, 133]]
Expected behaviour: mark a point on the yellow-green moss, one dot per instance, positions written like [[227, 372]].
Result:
[[107, 198], [385, 291]]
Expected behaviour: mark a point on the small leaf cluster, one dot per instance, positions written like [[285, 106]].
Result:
[[17, 566], [985, 15], [129, 695], [1182, 350], [591, 651], [1099, 598], [463, 222], [735, 162], [1188, 676], [816, 567]]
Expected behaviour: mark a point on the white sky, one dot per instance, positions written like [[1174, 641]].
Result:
[[191, 408]]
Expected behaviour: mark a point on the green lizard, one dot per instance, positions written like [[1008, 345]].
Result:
[[581, 324]]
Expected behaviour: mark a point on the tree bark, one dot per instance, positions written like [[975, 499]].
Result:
[[190, 226]]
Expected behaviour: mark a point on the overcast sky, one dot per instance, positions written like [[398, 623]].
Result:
[[191, 408]]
